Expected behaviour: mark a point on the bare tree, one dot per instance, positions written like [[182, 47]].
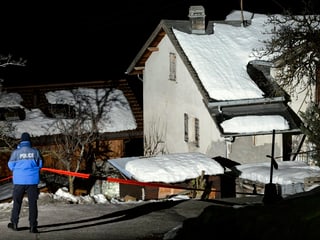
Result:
[[154, 140], [6, 128], [70, 146], [6, 60], [294, 48], [80, 133], [6, 137]]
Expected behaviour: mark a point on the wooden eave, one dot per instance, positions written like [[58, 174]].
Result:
[[152, 47], [138, 64]]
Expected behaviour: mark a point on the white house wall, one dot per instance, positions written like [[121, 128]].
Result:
[[255, 149], [166, 101], [301, 98]]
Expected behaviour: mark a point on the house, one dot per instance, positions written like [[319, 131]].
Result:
[[22, 105], [204, 92]]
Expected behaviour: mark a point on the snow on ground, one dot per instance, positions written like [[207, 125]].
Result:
[[62, 197]]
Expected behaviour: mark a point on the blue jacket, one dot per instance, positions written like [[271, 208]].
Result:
[[25, 163]]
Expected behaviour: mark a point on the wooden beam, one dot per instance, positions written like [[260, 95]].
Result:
[[153, 49], [139, 68]]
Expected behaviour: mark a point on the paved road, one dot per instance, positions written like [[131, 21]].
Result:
[[130, 221]]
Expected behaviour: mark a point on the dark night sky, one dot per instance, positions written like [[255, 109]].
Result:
[[61, 47]]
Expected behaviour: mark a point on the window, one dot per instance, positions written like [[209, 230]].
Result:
[[12, 114], [196, 132], [172, 74], [186, 127], [60, 111], [191, 130]]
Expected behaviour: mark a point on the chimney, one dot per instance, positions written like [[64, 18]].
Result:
[[197, 19]]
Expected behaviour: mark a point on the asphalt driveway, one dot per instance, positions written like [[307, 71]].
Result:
[[129, 221]]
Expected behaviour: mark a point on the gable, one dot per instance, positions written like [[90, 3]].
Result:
[[164, 28]]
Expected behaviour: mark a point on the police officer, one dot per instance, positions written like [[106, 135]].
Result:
[[25, 163]]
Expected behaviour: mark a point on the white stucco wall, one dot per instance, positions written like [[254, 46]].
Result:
[[300, 98], [166, 101], [253, 149]]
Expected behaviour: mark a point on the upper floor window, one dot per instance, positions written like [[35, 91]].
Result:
[[172, 59]]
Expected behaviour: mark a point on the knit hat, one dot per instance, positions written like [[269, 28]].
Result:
[[25, 137]]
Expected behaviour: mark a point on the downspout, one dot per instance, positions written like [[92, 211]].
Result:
[[138, 76], [228, 141]]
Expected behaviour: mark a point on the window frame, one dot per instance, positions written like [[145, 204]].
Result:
[[172, 66]]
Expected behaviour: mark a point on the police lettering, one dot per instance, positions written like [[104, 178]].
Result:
[[26, 155]]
